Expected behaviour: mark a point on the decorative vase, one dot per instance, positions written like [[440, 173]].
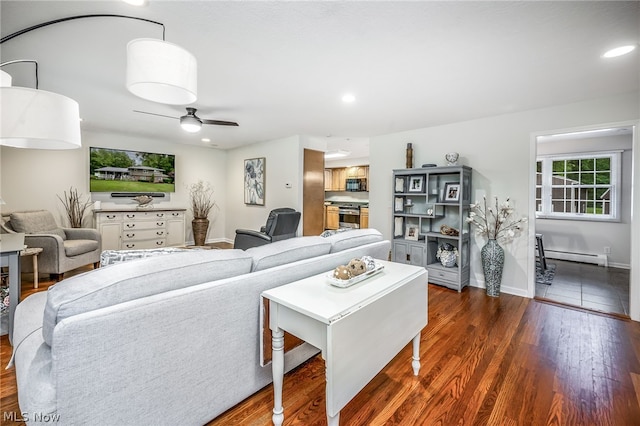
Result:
[[492, 256], [409, 156], [200, 227]]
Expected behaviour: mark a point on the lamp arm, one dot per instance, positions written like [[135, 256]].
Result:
[[56, 21], [19, 61]]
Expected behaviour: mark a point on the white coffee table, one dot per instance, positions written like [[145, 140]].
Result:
[[359, 329]]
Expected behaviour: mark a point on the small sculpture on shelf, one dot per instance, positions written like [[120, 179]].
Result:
[[447, 230], [452, 158], [448, 255]]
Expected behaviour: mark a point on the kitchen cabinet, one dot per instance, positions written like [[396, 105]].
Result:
[[335, 178], [339, 179], [429, 203], [332, 220], [328, 180], [135, 229], [364, 217]]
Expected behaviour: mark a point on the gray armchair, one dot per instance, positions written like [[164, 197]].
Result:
[[281, 224], [63, 249]]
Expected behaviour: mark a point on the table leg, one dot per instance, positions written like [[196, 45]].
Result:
[[415, 363], [333, 421], [14, 288], [277, 368], [35, 270]]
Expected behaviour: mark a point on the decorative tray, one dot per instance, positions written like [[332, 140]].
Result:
[[348, 283]]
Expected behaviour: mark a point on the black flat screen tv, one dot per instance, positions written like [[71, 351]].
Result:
[[118, 170]]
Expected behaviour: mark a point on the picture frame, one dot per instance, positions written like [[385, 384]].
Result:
[[451, 192], [415, 183], [254, 181], [411, 233], [398, 205]]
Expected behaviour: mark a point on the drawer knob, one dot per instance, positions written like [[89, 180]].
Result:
[[131, 235]]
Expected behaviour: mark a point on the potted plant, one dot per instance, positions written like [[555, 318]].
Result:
[[202, 202], [498, 226]]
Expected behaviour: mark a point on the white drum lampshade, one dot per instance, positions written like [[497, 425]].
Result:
[[5, 79], [161, 72], [31, 118]]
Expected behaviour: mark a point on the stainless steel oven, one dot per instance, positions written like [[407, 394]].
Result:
[[349, 216]]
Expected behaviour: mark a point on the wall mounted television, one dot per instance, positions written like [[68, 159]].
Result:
[[122, 171]]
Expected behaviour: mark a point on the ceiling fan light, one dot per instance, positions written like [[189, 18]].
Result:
[[37, 119], [190, 124], [161, 72]]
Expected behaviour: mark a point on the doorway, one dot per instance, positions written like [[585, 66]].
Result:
[[582, 202]]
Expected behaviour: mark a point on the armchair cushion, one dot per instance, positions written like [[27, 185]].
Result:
[[76, 247], [36, 222]]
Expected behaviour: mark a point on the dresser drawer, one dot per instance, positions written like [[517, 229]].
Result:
[[143, 234], [148, 244], [109, 217], [151, 215], [444, 275], [143, 224]]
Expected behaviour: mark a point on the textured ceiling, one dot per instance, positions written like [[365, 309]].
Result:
[[281, 68]]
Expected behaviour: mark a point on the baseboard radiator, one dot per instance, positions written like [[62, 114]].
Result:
[[598, 259]]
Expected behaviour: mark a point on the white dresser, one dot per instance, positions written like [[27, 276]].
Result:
[[140, 229]]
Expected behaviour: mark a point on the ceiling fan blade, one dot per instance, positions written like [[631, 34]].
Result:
[[219, 122], [153, 113]]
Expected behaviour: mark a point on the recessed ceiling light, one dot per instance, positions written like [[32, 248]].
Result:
[[336, 154], [618, 51], [348, 98], [136, 2], [205, 140]]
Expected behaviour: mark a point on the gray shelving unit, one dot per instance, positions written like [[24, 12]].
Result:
[[423, 201]]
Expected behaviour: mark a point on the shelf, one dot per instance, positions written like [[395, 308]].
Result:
[[410, 216]]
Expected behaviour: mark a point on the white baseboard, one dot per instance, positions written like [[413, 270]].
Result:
[[597, 259]]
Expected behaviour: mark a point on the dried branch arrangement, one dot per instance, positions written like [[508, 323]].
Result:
[[75, 207]]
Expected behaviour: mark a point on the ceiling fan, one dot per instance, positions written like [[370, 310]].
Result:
[[191, 122]]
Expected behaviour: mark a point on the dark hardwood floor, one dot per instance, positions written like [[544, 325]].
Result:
[[485, 361]]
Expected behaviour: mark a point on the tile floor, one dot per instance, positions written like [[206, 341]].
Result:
[[589, 286]]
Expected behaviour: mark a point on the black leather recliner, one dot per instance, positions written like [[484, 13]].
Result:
[[281, 224]]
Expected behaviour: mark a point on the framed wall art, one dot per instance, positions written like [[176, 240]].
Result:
[[254, 175]]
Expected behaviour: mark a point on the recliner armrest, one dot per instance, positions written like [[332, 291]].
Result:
[[247, 238]]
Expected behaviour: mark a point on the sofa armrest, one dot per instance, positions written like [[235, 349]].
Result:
[[247, 238], [82, 234]]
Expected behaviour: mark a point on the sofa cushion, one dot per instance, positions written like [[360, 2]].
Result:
[[141, 278], [36, 222], [76, 247], [353, 238], [287, 251]]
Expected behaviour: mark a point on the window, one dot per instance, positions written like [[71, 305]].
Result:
[[578, 186]]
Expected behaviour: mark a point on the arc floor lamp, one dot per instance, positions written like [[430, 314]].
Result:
[[157, 70]]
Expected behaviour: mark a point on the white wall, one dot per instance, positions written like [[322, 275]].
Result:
[[283, 166], [498, 149], [32, 179], [592, 236]]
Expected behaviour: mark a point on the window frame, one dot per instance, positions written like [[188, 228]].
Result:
[[545, 186]]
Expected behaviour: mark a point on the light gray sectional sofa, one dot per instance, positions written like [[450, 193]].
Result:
[[164, 340]]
